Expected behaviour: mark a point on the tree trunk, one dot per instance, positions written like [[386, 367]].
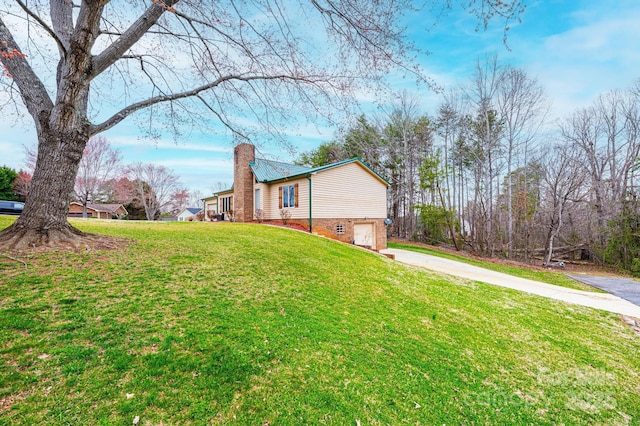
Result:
[[549, 247], [510, 202], [44, 219]]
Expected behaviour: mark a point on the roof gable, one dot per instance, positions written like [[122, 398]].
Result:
[[349, 161], [109, 208], [225, 192], [270, 171], [112, 208]]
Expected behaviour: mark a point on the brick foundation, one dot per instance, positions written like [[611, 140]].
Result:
[[329, 228]]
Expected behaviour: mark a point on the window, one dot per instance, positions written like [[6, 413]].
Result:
[[340, 229], [257, 200], [225, 204], [288, 196], [285, 196]]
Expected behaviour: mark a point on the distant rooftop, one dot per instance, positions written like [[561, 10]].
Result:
[[112, 208]]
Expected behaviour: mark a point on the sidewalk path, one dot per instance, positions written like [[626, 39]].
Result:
[[604, 301]]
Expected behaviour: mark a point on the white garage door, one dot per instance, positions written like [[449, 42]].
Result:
[[363, 235]]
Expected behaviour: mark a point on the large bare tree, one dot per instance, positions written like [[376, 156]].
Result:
[[81, 67]]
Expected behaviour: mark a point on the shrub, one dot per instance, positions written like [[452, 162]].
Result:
[[285, 215], [434, 223]]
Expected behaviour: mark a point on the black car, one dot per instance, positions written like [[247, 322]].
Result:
[[11, 207]]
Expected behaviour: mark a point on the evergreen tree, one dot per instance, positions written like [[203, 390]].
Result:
[[7, 177]]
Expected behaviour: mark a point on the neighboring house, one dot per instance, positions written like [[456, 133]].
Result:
[[346, 201], [188, 214], [98, 211]]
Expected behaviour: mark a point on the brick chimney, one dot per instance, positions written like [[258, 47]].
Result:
[[243, 154]]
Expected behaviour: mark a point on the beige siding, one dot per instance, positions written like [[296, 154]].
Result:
[[348, 191], [211, 206], [264, 201], [270, 200]]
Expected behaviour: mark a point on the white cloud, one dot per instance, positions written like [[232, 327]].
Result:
[[579, 64]]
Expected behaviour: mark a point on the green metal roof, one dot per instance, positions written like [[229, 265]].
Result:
[[215, 195], [269, 171]]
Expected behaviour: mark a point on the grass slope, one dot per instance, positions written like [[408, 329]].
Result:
[[247, 324]]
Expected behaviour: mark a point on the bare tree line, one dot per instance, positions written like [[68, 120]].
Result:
[[491, 172]]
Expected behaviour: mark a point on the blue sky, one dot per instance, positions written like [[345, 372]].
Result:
[[577, 49]]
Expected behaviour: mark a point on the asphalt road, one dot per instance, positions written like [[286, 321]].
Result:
[[621, 287], [604, 301]]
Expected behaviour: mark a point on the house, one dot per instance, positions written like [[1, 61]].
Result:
[[210, 208], [188, 214], [98, 211], [346, 201], [219, 206]]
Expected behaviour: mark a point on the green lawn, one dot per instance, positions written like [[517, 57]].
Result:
[[206, 323], [555, 277]]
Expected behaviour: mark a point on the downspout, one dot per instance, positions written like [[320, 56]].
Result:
[[310, 205]]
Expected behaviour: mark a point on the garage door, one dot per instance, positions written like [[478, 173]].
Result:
[[363, 235]]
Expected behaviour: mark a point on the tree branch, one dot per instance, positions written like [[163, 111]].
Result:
[[61, 45], [127, 111], [222, 119], [33, 92], [128, 38], [62, 20]]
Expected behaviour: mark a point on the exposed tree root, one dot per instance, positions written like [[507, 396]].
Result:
[[14, 259], [68, 238]]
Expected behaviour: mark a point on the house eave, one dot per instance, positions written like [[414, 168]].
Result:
[[320, 169]]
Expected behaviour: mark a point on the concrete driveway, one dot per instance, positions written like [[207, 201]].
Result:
[[603, 301]]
